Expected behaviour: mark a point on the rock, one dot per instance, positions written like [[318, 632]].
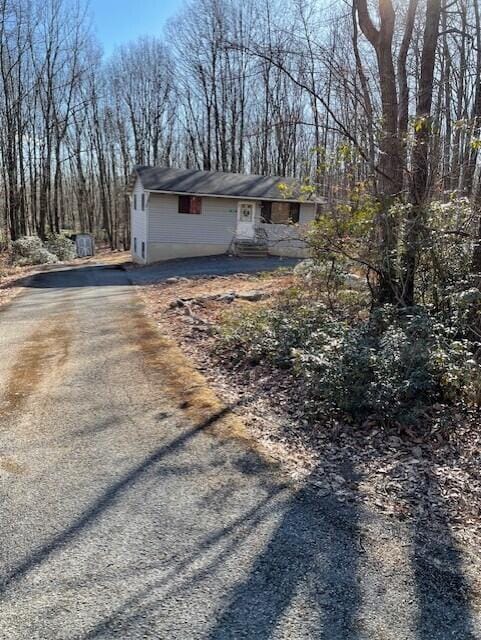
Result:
[[353, 281], [227, 297], [171, 280], [178, 302], [203, 328], [252, 296], [337, 481]]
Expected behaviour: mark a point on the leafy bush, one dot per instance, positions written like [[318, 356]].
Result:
[[25, 246], [334, 280], [328, 273], [61, 246], [394, 366], [445, 259], [270, 333], [30, 250]]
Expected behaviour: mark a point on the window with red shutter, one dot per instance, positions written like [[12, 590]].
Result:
[[190, 204]]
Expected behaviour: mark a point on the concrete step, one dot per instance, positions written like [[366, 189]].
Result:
[[248, 244], [246, 248], [252, 245], [251, 253]]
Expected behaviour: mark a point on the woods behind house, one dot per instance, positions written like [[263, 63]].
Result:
[[336, 95], [376, 107]]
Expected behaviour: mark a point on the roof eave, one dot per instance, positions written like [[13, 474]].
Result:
[[231, 196]]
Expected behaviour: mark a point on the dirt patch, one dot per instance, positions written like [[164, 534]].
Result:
[[46, 349], [12, 466], [207, 299], [105, 256], [185, 386]]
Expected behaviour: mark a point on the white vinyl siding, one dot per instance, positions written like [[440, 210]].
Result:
[[165, 233], [215, 225], [138, 221]]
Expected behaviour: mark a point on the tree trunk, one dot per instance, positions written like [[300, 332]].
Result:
[[420, 178]]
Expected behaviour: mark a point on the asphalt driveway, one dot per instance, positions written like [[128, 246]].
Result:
[[121, 518], [209, 266]]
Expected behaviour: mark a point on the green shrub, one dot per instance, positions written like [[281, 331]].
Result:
[[30, 250], [270, 333], [61, 246], [394, 366]]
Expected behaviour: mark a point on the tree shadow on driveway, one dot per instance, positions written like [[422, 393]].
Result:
[[104, 502], [442, 589], [312, 555], [289, 563], [304, 578]]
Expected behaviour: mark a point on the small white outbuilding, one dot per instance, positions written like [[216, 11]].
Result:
[[84, 245]]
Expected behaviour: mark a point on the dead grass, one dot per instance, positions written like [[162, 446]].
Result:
[[11, 466], [185, 386], [45, 350], [10, 276], [187, 362]]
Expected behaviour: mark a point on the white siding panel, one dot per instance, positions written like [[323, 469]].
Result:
[[215, 225], [307, 212], [138, 222], [137, 191], [139, 231]]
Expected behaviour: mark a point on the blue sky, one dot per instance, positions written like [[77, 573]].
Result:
[[118, 21]]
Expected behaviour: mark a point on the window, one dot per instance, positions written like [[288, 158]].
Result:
[[280, 212], [143, 201], [294, 211], [143, 249], [266, 211], [190, 204], [135, 202], [135, 245]]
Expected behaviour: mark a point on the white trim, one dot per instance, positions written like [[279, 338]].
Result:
[[232, 197]]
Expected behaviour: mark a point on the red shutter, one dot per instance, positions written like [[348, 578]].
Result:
[[195, 204]]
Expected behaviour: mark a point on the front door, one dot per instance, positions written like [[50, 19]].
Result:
[[246, 221]]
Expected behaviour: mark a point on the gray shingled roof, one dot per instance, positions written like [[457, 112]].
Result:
[[214, 183]]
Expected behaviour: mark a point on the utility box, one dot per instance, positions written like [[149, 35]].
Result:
[[85, 245]]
